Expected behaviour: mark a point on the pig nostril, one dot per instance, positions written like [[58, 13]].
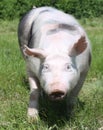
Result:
[[57, 95]]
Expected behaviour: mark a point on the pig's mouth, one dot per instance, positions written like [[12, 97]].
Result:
[[57, 95]]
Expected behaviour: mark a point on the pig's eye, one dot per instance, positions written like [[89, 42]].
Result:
[[45, 68], [67, 67]]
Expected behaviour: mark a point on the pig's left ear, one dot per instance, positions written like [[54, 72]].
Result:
[[78, 47], [39, 53]]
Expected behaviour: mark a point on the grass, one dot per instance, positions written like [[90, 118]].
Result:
[[14, 93]]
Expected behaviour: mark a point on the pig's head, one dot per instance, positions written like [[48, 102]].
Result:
[[58, 72]]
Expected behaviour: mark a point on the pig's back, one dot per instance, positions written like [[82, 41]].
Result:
[[30, 25]]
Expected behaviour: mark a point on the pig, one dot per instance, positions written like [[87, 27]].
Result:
[[57, 52]]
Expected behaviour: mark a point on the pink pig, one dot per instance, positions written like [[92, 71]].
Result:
[[57, 53]]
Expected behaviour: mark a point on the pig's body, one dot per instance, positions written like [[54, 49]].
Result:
[[59, 57]]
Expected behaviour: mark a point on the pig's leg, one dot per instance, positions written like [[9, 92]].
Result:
[[33, 103], [72, 98]]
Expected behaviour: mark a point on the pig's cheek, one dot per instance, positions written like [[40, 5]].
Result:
[[45, 80], [71, 80], [74, 79]]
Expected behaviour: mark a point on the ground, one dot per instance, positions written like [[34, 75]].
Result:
[[14, 92]]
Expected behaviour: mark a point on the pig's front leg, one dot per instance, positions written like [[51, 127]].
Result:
[[72, 98], [33, 103]]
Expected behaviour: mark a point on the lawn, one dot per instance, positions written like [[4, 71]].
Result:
[[14, 92]]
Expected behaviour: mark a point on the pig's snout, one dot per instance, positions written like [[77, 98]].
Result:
[[57, 95]]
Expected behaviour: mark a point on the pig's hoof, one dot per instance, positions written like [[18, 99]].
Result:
[[33, 115]]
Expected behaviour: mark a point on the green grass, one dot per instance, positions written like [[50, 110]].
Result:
[[14, 92]]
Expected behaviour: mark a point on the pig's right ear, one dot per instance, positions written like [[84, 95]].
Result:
[[39, 53]]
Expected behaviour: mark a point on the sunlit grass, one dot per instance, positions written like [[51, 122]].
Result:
[[14, 93]]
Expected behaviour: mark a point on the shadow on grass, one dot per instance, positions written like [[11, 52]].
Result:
[[52, 112], [55, 113]]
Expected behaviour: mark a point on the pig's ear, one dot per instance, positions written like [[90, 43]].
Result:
[[78, 47], [39, 53]]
